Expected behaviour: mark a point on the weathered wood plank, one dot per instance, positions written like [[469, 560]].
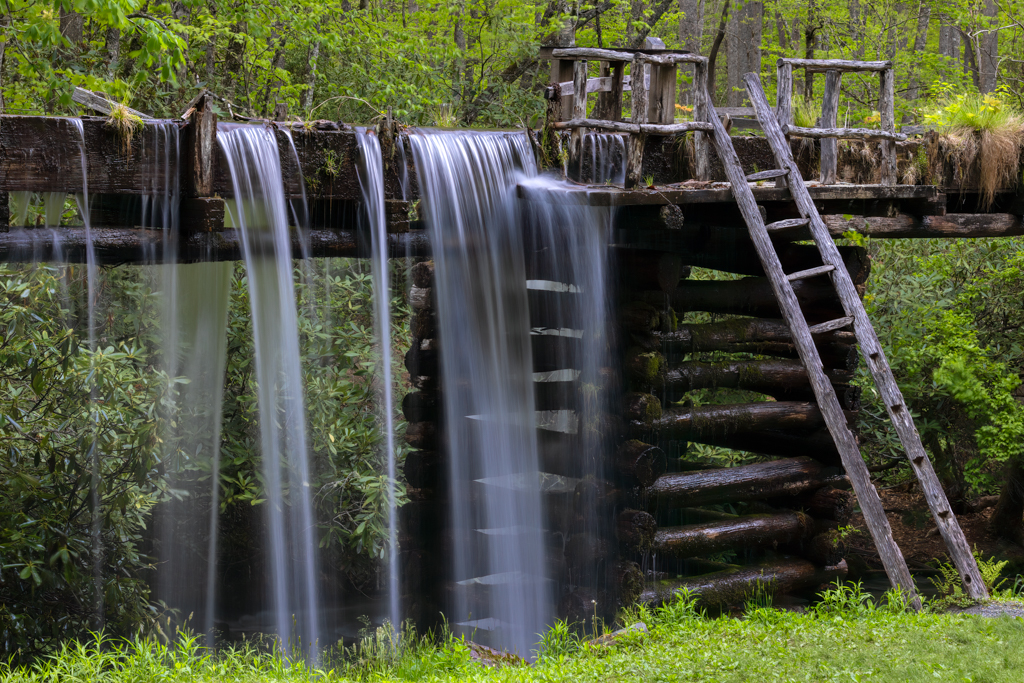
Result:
[[845, 133], [825, 65], [99, 103], [638, 115], [829, 112], [970, 225], [701, 107], [874, 356], [623, 127], [887, 111], [579, 113]]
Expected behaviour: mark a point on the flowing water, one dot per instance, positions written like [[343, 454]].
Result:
[[261, 214], [487, 244], [371, 182]]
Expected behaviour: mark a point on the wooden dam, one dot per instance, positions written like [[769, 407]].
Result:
[[787, 323]]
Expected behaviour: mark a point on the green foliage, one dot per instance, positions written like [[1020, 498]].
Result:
[[851, 639], [955, 109]]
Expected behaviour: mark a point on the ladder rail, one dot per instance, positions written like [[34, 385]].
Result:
[[828, 402], [871, 349]]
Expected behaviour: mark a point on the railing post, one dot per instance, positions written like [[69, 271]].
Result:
[[701, 107], [562, 71], [829, 112], [784, 94], [615, 96], [638, 115], [887, 110], [662, 94], [579, 111]]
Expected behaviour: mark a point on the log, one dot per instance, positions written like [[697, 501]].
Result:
[[137, 245], [555, 395], [423, 274], [638, 115], [421, 361], [642, 408], [829, 110], [422, 435], [759, 481], [778, 443], [753, 296], [423, 469], [844, 133], [824, 549], [781, 379], [734, 586], [743, 532], [555, 352], [825, 65], [950, 225], [635, 529], [421, 406], [639, 317], [644, 369], [577, 124], [827, 503], [640, 463], [88, 98], [705, 422], [200, 147], [421, 298], [423, 324], [643, 269], [763, 337]]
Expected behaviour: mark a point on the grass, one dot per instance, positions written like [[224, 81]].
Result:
[[984, 132], [125, 123], [845, 637]]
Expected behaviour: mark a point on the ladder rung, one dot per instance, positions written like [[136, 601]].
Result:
[[767, 175], [831, 325], [810, 272], [787, 224]]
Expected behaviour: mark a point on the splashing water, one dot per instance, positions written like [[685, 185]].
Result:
[[371, 182], [261, 214]]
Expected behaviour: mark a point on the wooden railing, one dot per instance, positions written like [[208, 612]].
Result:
[[827, 131], [652, 105]]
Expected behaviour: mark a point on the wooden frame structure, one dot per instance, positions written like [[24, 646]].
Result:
[[828, 132], [652, 106]]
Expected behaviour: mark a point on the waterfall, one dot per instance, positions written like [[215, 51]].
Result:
[[371, 182], [261, 215], [607, 155]]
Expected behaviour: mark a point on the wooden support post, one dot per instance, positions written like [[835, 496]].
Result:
[[615, 96], [783, 102], [579, 111], [638, 114], [200, 150], [829, 112], [562, 71], [701, 105], [603, 106], [5, 212], [887, 110]]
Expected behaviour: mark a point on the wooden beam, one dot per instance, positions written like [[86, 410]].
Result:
[[829, 111], [952, 225], [638, 115], [825, 65], [97, 102], [844, 133]]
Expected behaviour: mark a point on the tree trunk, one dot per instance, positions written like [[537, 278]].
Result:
[[924, 15], [743, 48], [792, 476], [311, 64], [743, 532], [949, 39], [1008, 518], [72, 27], [988, 48], [713, 55], [5, 22], [857, 30], [810, 38], [691, 31], [734, 586]]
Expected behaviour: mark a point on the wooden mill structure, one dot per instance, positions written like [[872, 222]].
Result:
[[789, 322]]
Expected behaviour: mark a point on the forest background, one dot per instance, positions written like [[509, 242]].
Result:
[[948, 311]]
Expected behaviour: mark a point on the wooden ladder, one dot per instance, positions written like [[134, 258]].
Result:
[[803, 338]]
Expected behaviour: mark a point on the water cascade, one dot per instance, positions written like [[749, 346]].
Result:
[[371, 182], [484, 243], [261, 215]]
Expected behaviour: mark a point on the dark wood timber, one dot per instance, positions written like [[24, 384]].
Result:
[[761, 336], [760, 481], [649, 269], [745, 531], [132, 245], [709, 422], [202, 214], [635, 529], [781, 379], [870, 503], [200, 148], [423, 469], [827, 503], [950, 225], [826, 65], [734, 586], [639, 317], [753, 297], [823, 549], [423, 274], [638, 115], [642, 408], [640, 463]]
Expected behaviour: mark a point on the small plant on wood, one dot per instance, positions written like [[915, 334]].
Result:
[[125, 123], [649, 182]]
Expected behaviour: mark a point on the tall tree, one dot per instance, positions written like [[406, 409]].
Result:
[[691, 31], [743, 48]]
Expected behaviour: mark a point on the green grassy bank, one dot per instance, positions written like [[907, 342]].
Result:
[[843, 638]]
